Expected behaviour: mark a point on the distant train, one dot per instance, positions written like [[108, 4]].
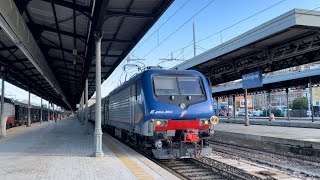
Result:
[[16, 113], [168, 113]]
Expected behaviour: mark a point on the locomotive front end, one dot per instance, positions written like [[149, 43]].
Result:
[[182, 115]]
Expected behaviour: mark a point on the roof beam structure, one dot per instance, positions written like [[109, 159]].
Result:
[[6, 48], [19, 33], [111, 13], [59, 31], [77, 7], [22, 5], [157, 11], [53, 54]]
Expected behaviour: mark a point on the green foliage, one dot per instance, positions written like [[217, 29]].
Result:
[[290, 106], [300, 103], [257, 107]]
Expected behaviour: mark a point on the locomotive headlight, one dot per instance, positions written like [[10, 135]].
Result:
[[204, 122], [214, 120], [158, 123], [162, 122]]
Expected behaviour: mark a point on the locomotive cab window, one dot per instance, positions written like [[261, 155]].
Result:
[[164, 85], [189, 86], [170, 85]]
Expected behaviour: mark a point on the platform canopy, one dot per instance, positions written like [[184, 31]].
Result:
[[63, 30], [288, 40], [291, 79]]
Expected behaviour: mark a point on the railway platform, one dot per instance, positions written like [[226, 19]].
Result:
[[62, 150], [292, 136], [297, 122]]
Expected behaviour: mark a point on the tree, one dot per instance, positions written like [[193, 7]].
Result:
[[300, 103]]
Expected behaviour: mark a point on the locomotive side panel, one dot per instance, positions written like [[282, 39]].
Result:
[[119, 109]]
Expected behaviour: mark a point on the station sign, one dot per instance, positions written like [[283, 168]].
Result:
[[252, 80]]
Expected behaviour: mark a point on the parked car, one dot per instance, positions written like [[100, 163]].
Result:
[[222, 113], [257, 113], [241, 113]]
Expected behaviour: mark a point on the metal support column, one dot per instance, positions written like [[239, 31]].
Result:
[[311, 100], [82, 109], [288, 109], [48, 110], [234, 106], [269, 103], [246, 108], [53, 113], [98, 132], [29, 108], [86, 108], [229, 110], [3, 123], [217, 98], [41, 112]]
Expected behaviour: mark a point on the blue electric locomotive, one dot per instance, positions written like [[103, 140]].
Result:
[[168, 113]]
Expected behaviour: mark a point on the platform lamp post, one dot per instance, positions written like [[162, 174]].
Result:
[[269, 101], [48, 110], [3, 131], [98, 132], [41, 112], [53, 112], [82, 109], [217, 98], [246, 107], [234, 106], [288, 108], [311, 101], [29, 109], [86, 108]]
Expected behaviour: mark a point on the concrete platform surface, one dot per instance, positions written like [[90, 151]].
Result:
[[302, 123], [304, 137], [62, 151]]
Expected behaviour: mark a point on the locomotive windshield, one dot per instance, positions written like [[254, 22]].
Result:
[[170, 85]]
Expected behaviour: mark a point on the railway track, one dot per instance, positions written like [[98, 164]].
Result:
[[193, 169], [190, 169], [305, 166]]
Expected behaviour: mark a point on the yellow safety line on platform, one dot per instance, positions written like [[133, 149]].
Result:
[[128, 162]]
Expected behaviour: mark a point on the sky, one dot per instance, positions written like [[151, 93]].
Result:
[[216, 21]]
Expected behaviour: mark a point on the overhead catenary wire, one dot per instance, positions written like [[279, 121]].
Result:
[[239, 22], [203, 8], [240, 39], [296, 17], [249, 17], [157, 30]]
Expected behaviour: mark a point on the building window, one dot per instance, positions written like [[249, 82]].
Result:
[[317, 103]]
